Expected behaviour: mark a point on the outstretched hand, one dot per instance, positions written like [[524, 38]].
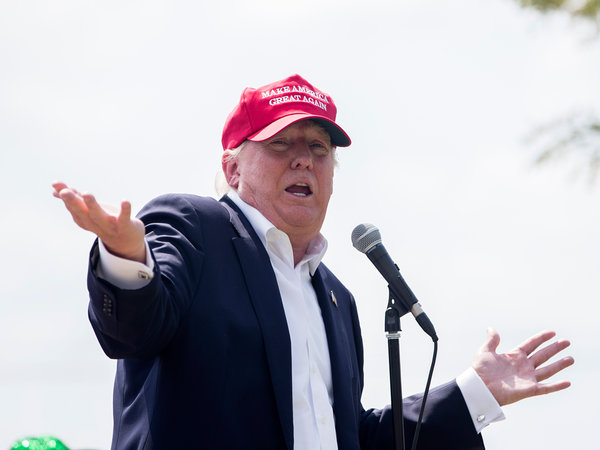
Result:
[[120, 233], [517, 374]]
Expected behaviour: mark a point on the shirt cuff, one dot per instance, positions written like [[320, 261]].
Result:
[[124, 273], [482, 406]]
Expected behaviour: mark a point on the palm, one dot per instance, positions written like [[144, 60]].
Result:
[[517, 374], [122, 234]]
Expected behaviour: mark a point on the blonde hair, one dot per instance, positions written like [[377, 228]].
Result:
[[221, 185]]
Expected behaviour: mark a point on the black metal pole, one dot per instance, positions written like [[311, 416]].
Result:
[[392, 329]]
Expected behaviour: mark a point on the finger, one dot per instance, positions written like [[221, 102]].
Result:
[[64, 192], [544, 354], [534, 342], [125, 215], [97, 214], [58, 186], [72, 201], [546, 372], [61, 188], [543, 389], [78, 209], [492, 340]]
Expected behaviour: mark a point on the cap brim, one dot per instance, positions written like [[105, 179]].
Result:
[[339, 138]]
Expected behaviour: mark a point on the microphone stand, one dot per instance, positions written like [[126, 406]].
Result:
[[395, 310]]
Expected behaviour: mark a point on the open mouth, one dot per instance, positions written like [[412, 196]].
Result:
[[299, 190]]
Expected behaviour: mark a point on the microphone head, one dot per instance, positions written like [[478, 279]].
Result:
[[365, 236]]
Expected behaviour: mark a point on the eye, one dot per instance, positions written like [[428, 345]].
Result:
[[278, 145], [320, 148]]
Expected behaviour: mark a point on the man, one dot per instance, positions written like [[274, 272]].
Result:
[[231, 333]]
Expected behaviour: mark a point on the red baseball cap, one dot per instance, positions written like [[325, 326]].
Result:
[[264, 112]]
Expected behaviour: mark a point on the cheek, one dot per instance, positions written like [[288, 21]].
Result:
[[327, 182], [250, 176], [259, 184]]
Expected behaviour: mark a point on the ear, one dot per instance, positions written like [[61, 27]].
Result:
[[231, 170]]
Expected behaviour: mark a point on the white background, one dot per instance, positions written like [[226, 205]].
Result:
[[127, 99]]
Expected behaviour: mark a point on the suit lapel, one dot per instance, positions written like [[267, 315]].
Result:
[[341, 369], [266, 300]]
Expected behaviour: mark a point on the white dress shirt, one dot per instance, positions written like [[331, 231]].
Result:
[[313, 420], [312, 394]]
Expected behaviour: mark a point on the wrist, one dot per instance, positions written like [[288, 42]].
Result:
[[137, 254]]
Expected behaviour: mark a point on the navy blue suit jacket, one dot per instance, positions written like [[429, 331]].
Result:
[[204, 350]]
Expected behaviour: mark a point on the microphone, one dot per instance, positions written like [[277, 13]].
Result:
[[366, 238]]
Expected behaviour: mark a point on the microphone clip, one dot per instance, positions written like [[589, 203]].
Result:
[[395, 310]]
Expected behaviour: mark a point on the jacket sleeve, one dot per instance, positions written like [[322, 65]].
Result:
[[446, 425], [141, 322]]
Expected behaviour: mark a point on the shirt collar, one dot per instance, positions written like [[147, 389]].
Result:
[[266, 232]]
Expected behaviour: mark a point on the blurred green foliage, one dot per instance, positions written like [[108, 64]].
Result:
[[577, 133], [575, 136], [589, 9]]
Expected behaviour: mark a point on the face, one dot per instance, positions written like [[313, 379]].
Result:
[[288, 178]]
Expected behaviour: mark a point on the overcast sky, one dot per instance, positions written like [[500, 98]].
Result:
[[127, 99]]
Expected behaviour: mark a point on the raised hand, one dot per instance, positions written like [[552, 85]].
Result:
[[517, 374], [122, 234]]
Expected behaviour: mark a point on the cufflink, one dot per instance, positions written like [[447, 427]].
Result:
[[480, 418], [333, 299], [143, 275]]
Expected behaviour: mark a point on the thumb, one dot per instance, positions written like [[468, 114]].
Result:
[[491, 342], [125, 213]]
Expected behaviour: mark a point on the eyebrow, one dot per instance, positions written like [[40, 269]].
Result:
[[321, 131]]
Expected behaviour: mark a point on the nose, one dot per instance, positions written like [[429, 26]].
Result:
[[302, 157]]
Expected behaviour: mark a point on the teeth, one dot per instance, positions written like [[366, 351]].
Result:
[[304, 192]]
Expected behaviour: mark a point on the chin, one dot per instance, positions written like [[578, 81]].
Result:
[[310, 224]]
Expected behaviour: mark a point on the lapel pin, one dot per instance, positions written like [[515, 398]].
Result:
[[333, 299]]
